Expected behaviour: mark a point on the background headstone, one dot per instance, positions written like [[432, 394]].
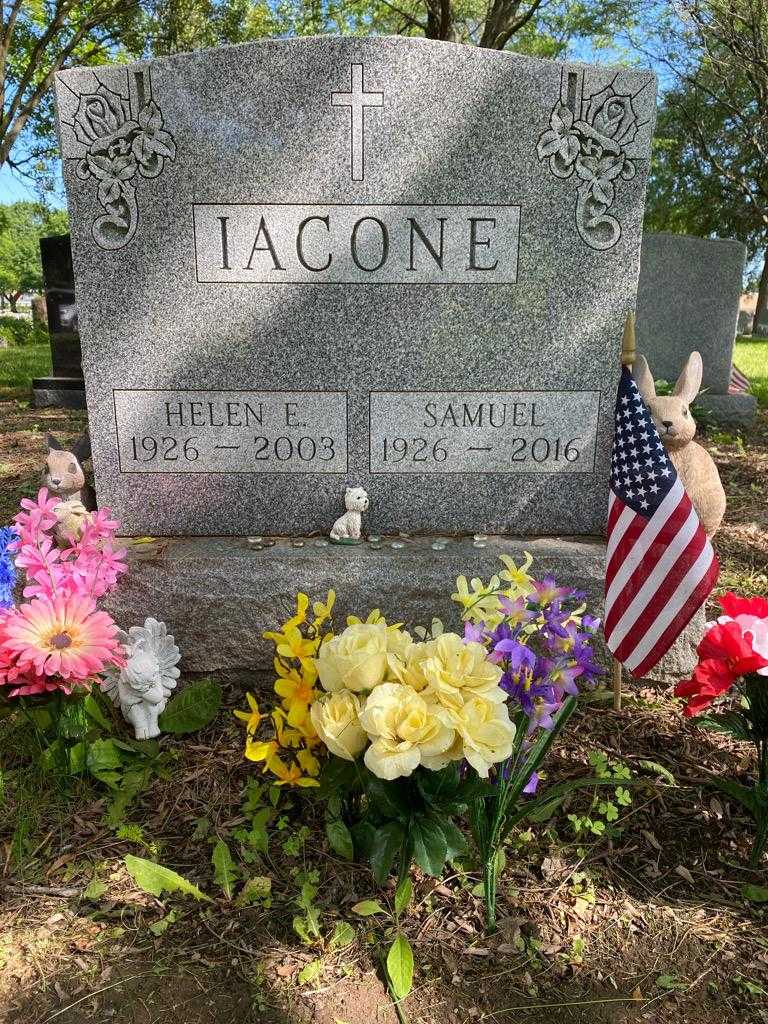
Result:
[[268, 313], [688, 298], [66, 386]]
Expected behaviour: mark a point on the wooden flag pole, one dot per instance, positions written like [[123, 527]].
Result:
[[628, 353]]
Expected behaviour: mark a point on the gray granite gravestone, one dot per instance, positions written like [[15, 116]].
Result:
[[65, 387], [688, 298], [386, 262]]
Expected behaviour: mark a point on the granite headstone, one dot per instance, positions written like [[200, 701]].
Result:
[[66, 385], [688, 298], [388, 262]]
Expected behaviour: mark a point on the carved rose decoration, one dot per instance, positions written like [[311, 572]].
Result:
[[119, 148], [593, 147]]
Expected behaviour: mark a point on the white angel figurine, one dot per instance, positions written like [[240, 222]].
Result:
[[143, 686]]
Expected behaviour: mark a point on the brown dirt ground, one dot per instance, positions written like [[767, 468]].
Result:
[[647, 925]]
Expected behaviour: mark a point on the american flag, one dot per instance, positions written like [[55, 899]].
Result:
[[660, 563]]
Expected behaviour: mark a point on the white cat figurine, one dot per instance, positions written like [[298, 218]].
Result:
[[346, 529]]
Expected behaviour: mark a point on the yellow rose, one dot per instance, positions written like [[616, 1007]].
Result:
[[405, 731], [456, 671], [398, 641], [336, 719], [486, 732], [406, 665], [354, 660]]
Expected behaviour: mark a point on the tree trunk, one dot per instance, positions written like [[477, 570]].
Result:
[[762, 294]]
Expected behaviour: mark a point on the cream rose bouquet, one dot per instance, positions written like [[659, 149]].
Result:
[[403, 731]]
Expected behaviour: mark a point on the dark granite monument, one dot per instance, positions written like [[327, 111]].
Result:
[[65, 386]]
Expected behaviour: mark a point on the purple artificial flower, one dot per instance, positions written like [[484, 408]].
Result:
[[554, 620], [517, 656], [590, 623], [532, 784], [542, 716], [563, 676], [474, 634], [548, 590], [517, 612]]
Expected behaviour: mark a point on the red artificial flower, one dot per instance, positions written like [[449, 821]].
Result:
[[725, 654], [734, 605]]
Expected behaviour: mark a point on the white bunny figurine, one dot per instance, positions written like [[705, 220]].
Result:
[[674, 422], [346, 529]]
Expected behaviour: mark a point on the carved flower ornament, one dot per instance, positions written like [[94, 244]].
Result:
[[594, 147], [119, 147]]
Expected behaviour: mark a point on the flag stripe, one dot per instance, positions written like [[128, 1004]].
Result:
[[687, 590], [664, 537], [655, 580], [681, 620], [645, 538]]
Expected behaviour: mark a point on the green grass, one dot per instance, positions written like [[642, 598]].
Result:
[[19, 365], [751, 357]]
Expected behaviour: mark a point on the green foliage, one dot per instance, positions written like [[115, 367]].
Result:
[[400, 967], [22, 225], [225, 870], [156, 879], [340, 839], [19, 331], [307, 923], [192, 709]]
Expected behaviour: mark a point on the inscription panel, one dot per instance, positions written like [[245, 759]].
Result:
[[190, 431], [291, 243], [483, 431]]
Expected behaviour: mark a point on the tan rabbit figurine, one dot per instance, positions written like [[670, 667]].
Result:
[[674, 422]]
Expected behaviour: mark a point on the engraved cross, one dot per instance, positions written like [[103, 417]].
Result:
[[357, 99]]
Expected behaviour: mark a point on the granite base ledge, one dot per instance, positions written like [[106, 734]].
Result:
[[58, 392], [218, 594], [730, 410]]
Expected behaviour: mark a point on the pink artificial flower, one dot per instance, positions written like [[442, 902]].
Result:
[[65, 637]]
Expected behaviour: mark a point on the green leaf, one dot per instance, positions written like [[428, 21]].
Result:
[[731, 723], [94, 890], [191, 709], [312, 971], [343, 935], [387, 843], [364, 837], [755, 893], [367, 908], [658, 769], [156, 879], [403, 895], [337, 775], [390, 799], [94, 711], [430, 847], [340, 839], [225, 873], [104, 756], [457, 844], [160, 927], [400, 967]]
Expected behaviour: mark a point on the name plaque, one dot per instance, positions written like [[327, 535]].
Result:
[[191, 431], [293, 243], [483, 431]]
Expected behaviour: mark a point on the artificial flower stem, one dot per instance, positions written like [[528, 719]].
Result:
[[490, 882]]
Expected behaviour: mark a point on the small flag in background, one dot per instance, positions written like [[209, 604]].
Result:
[[738, 382], [660, 563]]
